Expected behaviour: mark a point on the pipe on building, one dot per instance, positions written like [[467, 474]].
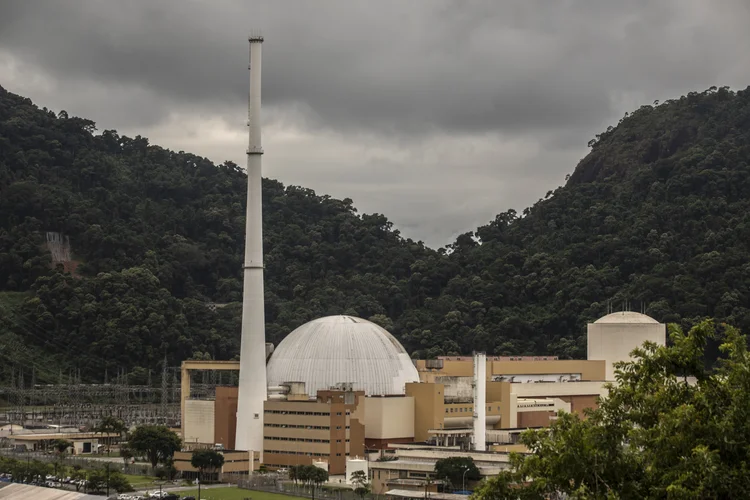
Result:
[[480, 401]]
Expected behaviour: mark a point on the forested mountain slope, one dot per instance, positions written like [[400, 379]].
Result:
[[656, 214], [157, 236]]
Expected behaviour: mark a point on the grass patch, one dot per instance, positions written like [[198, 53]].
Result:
[[136, 481], [235, 494]]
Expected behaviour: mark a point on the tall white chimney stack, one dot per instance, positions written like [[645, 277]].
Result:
[[480, 401], [252, 384]]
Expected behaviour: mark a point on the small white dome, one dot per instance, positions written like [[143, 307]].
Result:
[[626, 317], [337, 349]]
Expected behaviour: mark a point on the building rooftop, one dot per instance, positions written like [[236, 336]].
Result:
[[329, 351], [625, 317]]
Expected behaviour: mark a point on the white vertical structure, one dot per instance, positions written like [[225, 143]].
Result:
[[613, 337], [252, 384], [480, 401]]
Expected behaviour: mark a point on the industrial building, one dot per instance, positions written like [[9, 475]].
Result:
[[340, 386], [331, 396]]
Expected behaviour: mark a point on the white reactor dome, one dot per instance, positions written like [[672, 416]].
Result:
[[342, 349], [626, 317]]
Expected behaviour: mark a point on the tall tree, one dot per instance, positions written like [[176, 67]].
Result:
[[669, 428], [206, 460], [156, 442], [456, 470]]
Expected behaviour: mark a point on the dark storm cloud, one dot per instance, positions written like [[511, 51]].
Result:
[[396, 66], [520, 86]]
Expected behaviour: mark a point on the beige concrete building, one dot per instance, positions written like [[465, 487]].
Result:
[[83, 442], [613, 337], [410, 467], [234, 462], [327, 429]]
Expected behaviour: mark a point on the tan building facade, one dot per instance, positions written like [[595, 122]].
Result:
[[330, 428], [234, 462]]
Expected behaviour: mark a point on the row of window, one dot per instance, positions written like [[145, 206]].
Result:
[[465, 410], [290, 426], [308, 413], [276, 438], [303, 453]]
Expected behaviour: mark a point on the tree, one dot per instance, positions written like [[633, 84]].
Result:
[[360, 482], [669, 428], [110, 425], [156, 442], [206, 460], [126, 453], [60, 446], [455, 470], [77, 476], [316, 476]]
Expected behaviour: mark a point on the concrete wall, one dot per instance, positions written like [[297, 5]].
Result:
[[198, 421], [429, 408], [612, 342], [225, 416], [590, 369], [389, 418]]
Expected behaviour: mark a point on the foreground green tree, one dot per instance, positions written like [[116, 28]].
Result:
[[110, 425], [206, 461], [670, 428], [456, 470], [360, 483], [60, 446], [156, 442]]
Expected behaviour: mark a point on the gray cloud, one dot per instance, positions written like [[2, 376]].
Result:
[[359, 96]]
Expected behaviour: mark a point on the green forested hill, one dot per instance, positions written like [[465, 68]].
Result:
[[656, 214], [159, 235]]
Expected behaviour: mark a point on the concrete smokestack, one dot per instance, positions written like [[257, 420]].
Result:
[[252, 385], [480, 401]]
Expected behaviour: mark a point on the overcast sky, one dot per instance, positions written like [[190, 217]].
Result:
[[437, 114]]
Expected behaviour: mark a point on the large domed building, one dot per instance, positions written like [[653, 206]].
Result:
[[326, 352], [613, 337]]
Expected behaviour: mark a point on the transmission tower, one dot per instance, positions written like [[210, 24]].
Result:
[[164, 387]]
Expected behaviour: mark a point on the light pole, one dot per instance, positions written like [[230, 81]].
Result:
[[463, 479]]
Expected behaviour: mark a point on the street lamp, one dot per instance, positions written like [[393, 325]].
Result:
[[463, 479]]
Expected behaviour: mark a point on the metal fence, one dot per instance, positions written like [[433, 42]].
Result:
[[80, 462], [272, 484]]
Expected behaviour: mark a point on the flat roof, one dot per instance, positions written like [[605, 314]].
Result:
[[61, 435], [421, 494]]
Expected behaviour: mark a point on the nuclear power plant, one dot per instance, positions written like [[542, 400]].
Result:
[[340, 390]]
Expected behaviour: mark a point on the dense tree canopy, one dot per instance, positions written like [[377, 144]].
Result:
[[657, 214], [669, 428], [156, 442]]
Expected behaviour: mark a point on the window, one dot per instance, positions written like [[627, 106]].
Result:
[[338, 427], [338, 414], [338, 454]]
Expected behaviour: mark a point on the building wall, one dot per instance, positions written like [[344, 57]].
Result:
[[300, 432], [534, 418], [389, 418], [429, 408], [580, 403], [590, 369], [225, 416], [612, 342], [198, 421]]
